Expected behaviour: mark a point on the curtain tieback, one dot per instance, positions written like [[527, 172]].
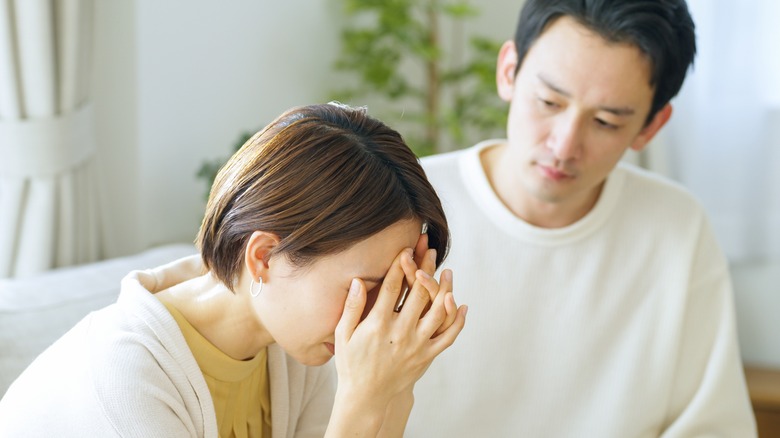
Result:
[[49, 146]]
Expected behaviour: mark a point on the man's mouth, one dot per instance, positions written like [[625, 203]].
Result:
[[553, 173]]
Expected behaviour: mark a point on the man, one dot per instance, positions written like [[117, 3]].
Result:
[[600, 302]]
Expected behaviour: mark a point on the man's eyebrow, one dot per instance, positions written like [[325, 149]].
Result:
[[547, 83], [622, 111]]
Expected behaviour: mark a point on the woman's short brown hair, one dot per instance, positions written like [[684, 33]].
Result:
[[322, 178]]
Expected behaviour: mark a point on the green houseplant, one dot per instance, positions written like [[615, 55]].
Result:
[[396, 50]]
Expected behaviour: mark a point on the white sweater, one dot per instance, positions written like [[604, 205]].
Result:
[[619, 325], [126, 371]]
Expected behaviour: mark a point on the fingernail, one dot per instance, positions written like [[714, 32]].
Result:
[[432, 255], [447, 274], [354, 288]]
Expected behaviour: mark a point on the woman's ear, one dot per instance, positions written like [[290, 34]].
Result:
[[258, 249], [505, 71]]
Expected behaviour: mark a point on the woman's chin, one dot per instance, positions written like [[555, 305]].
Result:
[[314, 360]]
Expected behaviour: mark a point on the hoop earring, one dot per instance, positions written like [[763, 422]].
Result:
[[252, 290]]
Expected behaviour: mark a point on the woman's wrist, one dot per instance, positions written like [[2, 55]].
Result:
[[397, 414], [356, 415]]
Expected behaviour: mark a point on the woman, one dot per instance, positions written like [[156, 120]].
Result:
[[310, 239]]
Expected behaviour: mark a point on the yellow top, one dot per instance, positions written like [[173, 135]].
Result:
[[239, 388]]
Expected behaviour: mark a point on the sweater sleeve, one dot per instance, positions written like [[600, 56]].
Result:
[[709, 395], [140, 393], [141, 399], [93, 382]]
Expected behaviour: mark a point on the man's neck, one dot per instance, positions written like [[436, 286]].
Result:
[[530, 209]]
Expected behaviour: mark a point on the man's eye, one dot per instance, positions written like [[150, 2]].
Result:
[[607, 125]]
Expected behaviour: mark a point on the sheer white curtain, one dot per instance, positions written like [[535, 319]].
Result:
[[723, 141], [48, 200]]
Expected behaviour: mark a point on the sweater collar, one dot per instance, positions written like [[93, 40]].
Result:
[[482, 193]]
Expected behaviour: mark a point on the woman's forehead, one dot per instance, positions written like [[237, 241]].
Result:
[[374, 254]]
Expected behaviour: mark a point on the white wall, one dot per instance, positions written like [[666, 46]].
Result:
[[177, 82], [209, 71]]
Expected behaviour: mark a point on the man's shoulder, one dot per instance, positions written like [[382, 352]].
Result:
[[443, 170], [457, 164], [657, 192], [441, 160]]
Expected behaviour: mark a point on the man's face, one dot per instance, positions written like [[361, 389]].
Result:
[[577, 103]]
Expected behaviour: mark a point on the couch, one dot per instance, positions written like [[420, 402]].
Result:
[[36, 311]]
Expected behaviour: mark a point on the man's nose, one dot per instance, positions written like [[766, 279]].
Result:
[[565, 138]]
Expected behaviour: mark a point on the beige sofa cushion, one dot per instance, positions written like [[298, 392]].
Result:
[[36, 311]]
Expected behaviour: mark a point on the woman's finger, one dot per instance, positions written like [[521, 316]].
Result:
[[392, 285], [428, 263], [450, 308], [410, 267], [435, 316], [420, 248], [447, 338], [418, 298], [353, 309], [428, 282]]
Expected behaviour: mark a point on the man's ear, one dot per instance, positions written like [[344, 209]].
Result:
[[505, 71], [648, 132], [258, 249]]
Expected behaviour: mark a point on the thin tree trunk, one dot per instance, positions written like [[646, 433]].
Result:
[[432, 101]]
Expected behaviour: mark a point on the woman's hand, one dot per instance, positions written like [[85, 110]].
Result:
[[385, 354], [427, 259]]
